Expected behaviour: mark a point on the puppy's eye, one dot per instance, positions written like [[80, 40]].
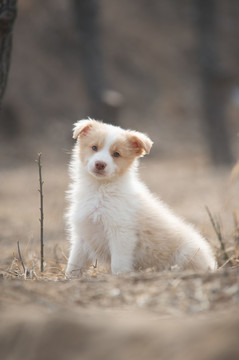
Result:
[[116, 154], [94, 148]]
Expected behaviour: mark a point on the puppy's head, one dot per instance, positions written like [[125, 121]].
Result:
[[107, 151]]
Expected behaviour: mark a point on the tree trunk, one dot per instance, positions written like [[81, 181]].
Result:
[[8, 12], [104, 103], [215, 84]]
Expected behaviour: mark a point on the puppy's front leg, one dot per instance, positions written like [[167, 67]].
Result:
[[122, 248], [78, 259]]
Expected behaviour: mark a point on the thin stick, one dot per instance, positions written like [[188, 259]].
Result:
[[236, 233], [41, 211], [236, 223], [229, 260], [190, 260], [20, 256], [217, 229]]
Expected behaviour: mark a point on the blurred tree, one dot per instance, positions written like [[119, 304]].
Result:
[[104, 103], [215, 84], [8, 12]]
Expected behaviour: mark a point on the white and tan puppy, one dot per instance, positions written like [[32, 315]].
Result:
[[112, 215]]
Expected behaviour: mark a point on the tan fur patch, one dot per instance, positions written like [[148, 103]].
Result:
[[141, 143], [127, 154], [94, 137], [82, 127]]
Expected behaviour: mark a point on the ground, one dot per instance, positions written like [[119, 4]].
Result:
[[104, 316]]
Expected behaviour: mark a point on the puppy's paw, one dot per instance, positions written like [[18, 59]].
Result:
[[73, 273], [119, 270]]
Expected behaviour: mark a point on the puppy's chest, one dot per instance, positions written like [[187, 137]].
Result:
[[106, 208], [96, 208], [98, 211]]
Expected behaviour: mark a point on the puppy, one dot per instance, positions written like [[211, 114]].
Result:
[[114, 218]]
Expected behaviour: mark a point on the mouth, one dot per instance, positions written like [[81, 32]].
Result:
[[99, 173]]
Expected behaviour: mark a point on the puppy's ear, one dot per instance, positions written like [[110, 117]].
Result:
[[140, 143], [82, 127]]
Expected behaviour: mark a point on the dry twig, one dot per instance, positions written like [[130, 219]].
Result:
[[41, 210], [20, 257]]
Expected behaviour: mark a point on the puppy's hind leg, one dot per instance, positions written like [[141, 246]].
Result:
[[197, 258], [78, 259]]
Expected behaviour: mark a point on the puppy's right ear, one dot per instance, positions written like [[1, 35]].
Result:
[[82, 127]]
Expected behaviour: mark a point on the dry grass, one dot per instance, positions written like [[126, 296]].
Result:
[[227, 253], [25, 264]]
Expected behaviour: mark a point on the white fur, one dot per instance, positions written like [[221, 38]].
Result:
[[116, 220]]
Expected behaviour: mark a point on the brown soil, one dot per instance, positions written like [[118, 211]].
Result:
[[139, 315]]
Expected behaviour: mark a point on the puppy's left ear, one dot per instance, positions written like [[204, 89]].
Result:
[[140, 143]]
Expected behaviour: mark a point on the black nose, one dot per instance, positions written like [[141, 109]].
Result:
[[100, 165]]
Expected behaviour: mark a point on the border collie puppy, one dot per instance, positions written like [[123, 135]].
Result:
[[114, 218]]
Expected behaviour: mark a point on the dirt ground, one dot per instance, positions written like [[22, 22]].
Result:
[[171, 315]]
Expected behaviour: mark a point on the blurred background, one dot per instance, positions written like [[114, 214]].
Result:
[[167, 68]]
